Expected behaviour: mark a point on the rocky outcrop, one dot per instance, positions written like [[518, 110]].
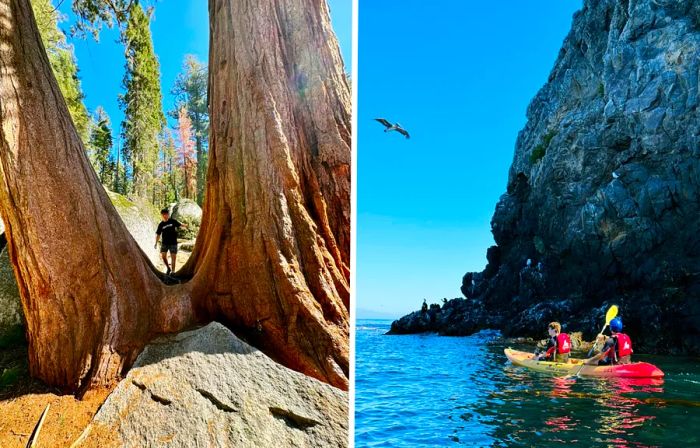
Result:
[[189, 213], [603, 197], [141, 219], [208, 388]]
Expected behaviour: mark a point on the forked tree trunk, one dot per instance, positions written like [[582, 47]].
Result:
[[273, 253], [274, 244]]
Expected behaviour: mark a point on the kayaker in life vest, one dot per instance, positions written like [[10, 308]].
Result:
[[617, 348], [558, 346]]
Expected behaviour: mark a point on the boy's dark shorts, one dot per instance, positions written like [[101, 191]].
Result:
[[172, 248]]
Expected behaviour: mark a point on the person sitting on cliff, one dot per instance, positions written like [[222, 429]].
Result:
[[617, 348], [558, 345], [168, 228]]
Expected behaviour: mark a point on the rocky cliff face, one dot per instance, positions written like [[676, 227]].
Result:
[[603, 196]]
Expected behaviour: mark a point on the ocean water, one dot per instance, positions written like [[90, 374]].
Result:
[[428, 390]]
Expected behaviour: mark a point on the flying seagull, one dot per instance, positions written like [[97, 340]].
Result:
[[393, 127]]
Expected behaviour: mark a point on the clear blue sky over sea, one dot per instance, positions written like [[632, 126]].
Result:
[[179, 27], [458, 75]]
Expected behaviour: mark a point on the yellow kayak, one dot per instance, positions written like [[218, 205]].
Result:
[[633, 370]]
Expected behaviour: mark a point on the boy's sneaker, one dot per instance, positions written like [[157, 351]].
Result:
[[168, 272]]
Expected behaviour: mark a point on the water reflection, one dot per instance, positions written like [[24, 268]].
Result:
[[435, 391], [534, 409]]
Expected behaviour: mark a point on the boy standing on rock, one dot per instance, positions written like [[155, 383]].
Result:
[[168, 228]]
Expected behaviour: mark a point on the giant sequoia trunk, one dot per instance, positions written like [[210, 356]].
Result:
[[273, 253]]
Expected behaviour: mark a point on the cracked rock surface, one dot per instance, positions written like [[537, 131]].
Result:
[[207, 388]]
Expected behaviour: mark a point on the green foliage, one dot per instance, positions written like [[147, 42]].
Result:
[[541, 149], [548, 138], [142, 103], [190, 92], [168, 181], [538, 153], [10, 376], [119, 201], [12, 337], [101, 148], [91, 15], [192, 228], [63, 63], [14, 368], [121, 183]]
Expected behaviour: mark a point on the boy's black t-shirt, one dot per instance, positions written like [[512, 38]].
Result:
[[169, 231]]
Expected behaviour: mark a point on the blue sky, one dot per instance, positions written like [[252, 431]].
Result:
[[459, 76], [179, 27]]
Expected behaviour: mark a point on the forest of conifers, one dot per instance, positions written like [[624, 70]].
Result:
[[157, 155]]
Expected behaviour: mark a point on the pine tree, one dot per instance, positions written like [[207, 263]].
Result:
[[171, 168], [142, 103], [164, 191], [120, 182], [186, 154], [190, 91], [101, 147], [63, 63]]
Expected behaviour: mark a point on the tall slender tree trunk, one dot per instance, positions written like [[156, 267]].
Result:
[[115, 186], [273, 253], [173, 180]]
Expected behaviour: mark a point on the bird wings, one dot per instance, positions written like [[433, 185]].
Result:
[[403, 132], [384, 122], [393, 127]]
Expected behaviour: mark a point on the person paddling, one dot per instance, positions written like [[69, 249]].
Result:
[[168, 228], [617, 348], [558, 346]]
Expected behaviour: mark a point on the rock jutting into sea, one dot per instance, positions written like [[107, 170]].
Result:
[[603, 198]]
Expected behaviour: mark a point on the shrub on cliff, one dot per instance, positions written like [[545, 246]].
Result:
[[540, 150]]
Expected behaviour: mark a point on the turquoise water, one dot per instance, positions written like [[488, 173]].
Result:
[[427, 390]]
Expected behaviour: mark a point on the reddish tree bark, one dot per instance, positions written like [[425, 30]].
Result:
[[273, 253]]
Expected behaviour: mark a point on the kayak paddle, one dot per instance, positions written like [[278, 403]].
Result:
[[609, 316]]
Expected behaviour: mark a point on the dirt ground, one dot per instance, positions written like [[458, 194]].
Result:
[[64, 423], [182, 257], [23, 399]]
